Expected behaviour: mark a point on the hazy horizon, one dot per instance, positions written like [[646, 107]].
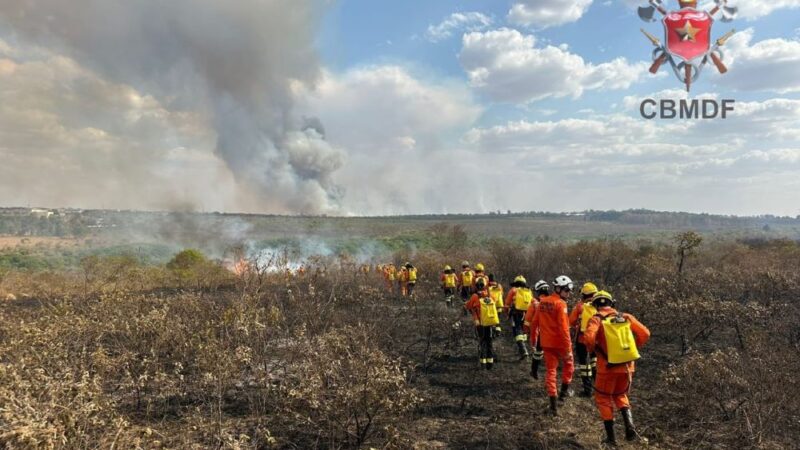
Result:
[[422, 214]]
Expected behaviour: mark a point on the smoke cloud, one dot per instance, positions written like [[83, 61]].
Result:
[[241, 61]]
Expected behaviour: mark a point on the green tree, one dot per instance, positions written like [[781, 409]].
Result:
[[192, 268], [186, 260]]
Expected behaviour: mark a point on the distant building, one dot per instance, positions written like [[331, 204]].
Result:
[[69, 211], [41, 213]]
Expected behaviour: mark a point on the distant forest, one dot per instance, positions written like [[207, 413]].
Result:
[[79, 223]]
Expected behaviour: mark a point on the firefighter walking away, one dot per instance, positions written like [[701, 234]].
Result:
[[578, 319], [495, 290], [410, 279], [550, 324], [518, 300], [540, 289], [485, 317], [449, 282], [616, 338]]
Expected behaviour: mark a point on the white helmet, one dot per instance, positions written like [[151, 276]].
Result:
[[541, 284], [563, 281]]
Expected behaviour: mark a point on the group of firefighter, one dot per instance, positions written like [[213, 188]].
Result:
[[405, 277], [606, 343]]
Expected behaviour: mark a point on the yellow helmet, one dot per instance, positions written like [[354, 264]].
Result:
[[448, 268], [479, 266], [520, 279], [589, 289], [602, 298]]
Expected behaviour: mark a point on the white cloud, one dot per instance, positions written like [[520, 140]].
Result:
[[547, 13], [754, 9], [507, 66], [768, 65], [365, 108], [395, 125], [6, 49], [469, 21], [745, 164]]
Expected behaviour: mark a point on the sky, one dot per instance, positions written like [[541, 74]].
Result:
[[380, 107]]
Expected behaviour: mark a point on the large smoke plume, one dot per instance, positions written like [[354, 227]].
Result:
[[241, 60]]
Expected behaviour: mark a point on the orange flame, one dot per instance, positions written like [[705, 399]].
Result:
[[240, 267]]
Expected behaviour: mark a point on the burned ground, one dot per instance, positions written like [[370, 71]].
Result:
[[125, 356]]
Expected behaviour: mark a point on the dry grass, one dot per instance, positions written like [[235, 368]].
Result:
[[126, 356]]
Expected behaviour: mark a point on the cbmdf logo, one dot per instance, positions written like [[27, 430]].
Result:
[[687, 43]]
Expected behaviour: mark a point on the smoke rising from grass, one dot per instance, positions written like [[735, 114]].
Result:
[[241, 61]]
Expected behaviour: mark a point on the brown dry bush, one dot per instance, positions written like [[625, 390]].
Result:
[[53, 408], [127, 355], [733, 398], [138, 369], [507, 258], [345, 391]]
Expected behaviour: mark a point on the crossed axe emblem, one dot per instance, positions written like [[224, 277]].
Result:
[[688, 71]]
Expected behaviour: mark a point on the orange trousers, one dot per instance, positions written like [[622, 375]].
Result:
[[611, 389], [552, 357]]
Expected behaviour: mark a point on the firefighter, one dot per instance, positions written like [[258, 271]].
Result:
[[518, 300], [541, 288], [449, 282], [615, 338], [410, 279], [578, 319], [495, 293], [466, 281], [480, 274], [389, 275], [485, 317], [402, 280], [550, 325]]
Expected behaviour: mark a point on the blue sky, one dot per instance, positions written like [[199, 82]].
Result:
[[364, 32], [387, 107]]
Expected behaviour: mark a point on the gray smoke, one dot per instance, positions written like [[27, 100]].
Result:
[[239, 59]]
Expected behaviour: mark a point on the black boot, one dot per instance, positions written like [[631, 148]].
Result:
[[553, 407], [523, 352], [610, 439], [565, 392], [535, 368], [627, 418], [587, 387]]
